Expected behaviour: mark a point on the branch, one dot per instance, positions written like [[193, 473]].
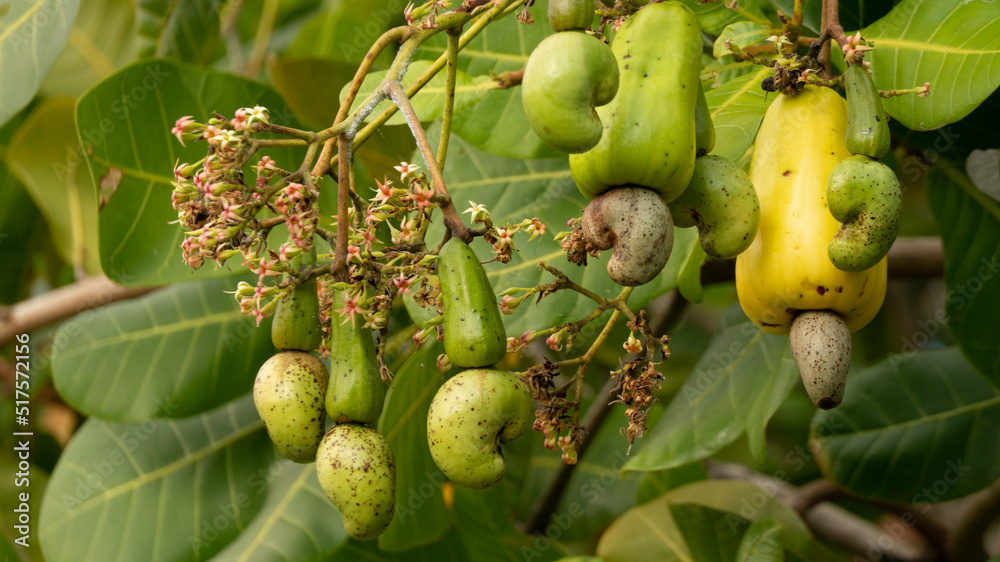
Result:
[[831, 30], [451, 80], [64, 302], [966, 544]]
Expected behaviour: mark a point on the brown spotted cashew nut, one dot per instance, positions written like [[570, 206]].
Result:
[[821, 345], [636, 223]]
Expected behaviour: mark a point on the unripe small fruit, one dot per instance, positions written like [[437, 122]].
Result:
[[288, 393], [296, 320], [356, 470], [356, 391], [474, 334], [565, 15]]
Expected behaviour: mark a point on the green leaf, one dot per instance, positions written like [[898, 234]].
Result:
[[916, 428], [421, 516], [970, 228], [124, 125], [176, 352], [185, 30], [514, 190], [708, 533], [738, 106], [103, 40], [953, 44], [345, 31], [312, 99], [32, 34], [650, 532], [428, 103], [448, 548], [762, 542], [45, 154], [655, 484], [489, 535], [179, 490], [715, 16], [295, 522], [742, 33], [20, 220], [689, 279], [738, 384], [12, 488]]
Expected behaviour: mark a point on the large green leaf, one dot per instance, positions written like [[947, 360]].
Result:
[[650, 532], [308, 84], [915, 428], [709, 534], [489, 535], [762, 542], [970, 228], [173, 353], [421, 516], [186, 30], [715, 16], [738, 106], [953, 44], [295, 522], [45, 154], [738, 384], [515, 189], [175, 490], [124, 124], [743, 34], [32, 34], [345, 30], [103, 40], [19, 221]]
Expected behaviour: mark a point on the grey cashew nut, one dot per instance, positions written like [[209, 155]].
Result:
[[821, 345], [636, 223]]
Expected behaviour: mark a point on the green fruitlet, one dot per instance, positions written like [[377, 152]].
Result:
[[649, 136], [357, 472], [474, 335], [471, 414], [864, 195], [867, 126], [356, 390], [288, 394], [704, 129], [296, 321], [566, 76], [636, 223], [722, 203], [565, 15]]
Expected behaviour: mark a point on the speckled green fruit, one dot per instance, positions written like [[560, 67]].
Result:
[[288, 393], [474, 335], [471, 414], [296, 321], [722, 203], [704, 129], [864, 195], [566, 77], [649, 135], [565, 15], [867, 126], [356, 391], [357, 472]]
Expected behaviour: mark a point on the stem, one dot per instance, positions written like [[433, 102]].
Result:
[[569, 284], [831, 30], [451, 218], [967, 541], [263, 37], [339, 267], [451, 80]]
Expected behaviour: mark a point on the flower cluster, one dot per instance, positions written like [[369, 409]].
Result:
[[555, 418]]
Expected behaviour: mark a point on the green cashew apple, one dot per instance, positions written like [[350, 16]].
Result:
[[704, 129], [288, 394], [356, 391], [867, 126], [722, 203], [864, 195], [566, 76], [471, 414], [474, 335], [357, 472], [566, 15], [636, 223], [649, 136], [296, 321]]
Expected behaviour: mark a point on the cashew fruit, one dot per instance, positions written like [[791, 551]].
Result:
[[471, 414], [474, 335], [867, 126], [356, 391], [565, 15], [722, 203], [356, 470], [787, 269], [288, 394], [636, 223], [864, 195], [704, 129], [567, 75], [296, 321], [821, 346], [649, 136]]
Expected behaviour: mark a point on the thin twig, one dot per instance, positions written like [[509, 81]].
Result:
[[451, 80], [262, 38]]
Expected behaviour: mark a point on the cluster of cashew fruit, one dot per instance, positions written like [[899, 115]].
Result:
[[635, 121], [481, 407], [829, 213], [294, 393]]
